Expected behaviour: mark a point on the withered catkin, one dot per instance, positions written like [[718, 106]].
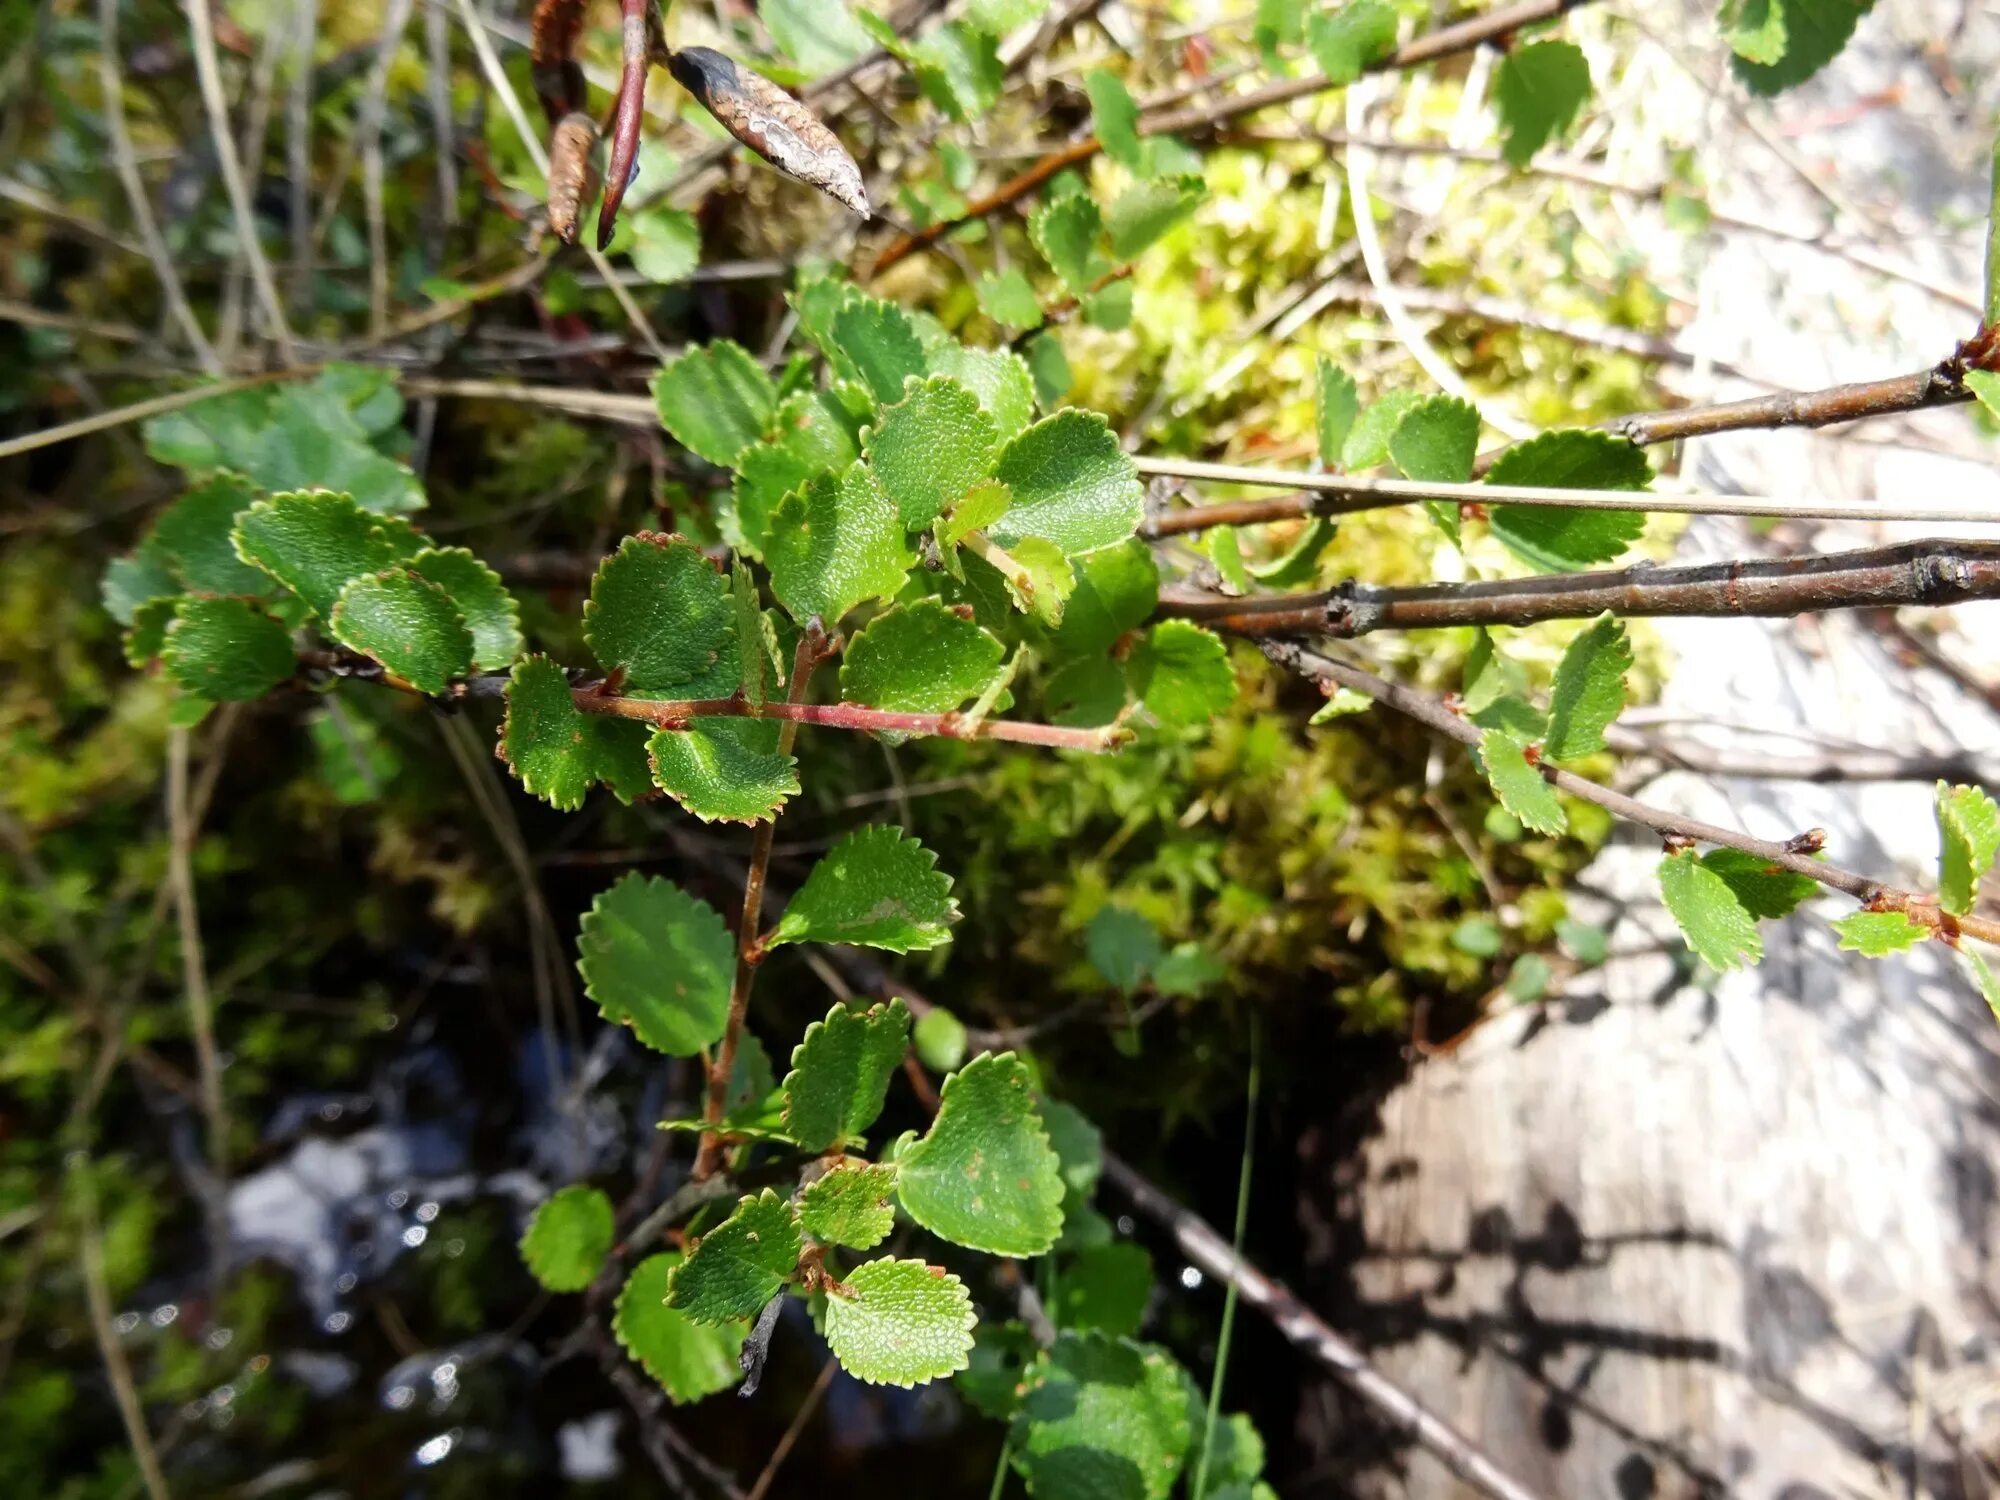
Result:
[[772, 123], [552, 53], [572, 173]]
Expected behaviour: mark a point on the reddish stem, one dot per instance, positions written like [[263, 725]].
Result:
[[631, 113]]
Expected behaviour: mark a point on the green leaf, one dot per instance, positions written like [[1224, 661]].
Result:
[[919, 658], [878, 338], [1812, 32], [1877, 934], [821, 36], [1148, 209], [1337, 405], [1003, 16], [716, 400], [1519, 786], [850, 1205], [1339, 704], [1755, 30], [1106, 1288], [900, 1322], [1079, 1148], [1763, 889], [1574, 458], [1986, 386], [931, 447], [1045, 580], [408, 624], [658, 960], [688, 1360], [724, 770], [876, 888], [148, 635], [1589, 690], [194, 537], [1001, 381], [1346, 41], [1067, 231], [1550, 537], [1050, 368], [1234, 1462], [984, 1175], [1181, 673], [1540, 89], [1109, 307], [959, 70], [1102, 1419], [660, 613], [977, 509], [1367, 441], [226, 650], [481, 599], [1072, 484], [316, 542], [940, 1039], [738, 1266], [1123, 946], [1086, 693], [840, 1073], [1986, 979], [836, 543], [1299, 564], [1115, 116], [1007, 298], [666, 245], [1436, 440], [1968, 838], [568, 1238], [319, 434], [1715, 923], [130, 582], [558, 751]]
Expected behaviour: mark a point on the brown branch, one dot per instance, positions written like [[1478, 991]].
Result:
[[1462, 37], [630, 116], [813, 648], [1434, 715], [1925, 574], [1305, 1329]]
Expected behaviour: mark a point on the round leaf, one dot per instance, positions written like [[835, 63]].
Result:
[[408, 624], [900, 1322], [660, 961], [850, 1205], [1073, 485], [568, 1238], [984, 1175], [724, 770], [835, 543], [738, 1266], [660, 613], [840, 1073], [931, 447], [919, 658], [690, 1361], [482, 600], [877, 888], [226, 650]]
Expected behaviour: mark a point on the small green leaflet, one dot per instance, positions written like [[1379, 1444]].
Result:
[[999, 378], [1367, 442], [834, 544], [1335, 409], [1986, 386], [1984, 977], [688, 1360], [1877, 934], [900, 1322], [660, 961], [148, 634], [849, 1205], [659, 613], [568, 1238], [1103, 1418], [1073, 485], [193, 535], [940, 1039], [1181, 673], [666, 245], [1049, 365], [931, 447], [558, 751], [226, 650], [724, 770], [1765, 890], [1298, 565], [1968, 838], [1122, 945], [1148, 209], [137, 579], [1519, 786], [1226, 552], [738, 1266], [878, 339], [958, 68], [1346, 41], [1804, 35], [919, 658], [877, 888], [984, 1175], [1540, 89], [316, 542], [1008, 299], [1339, 704], [482, 601], [1116, 118], [1555, 539], [1436, 441], [840, 1073], [715, 400], [1106, 1288], [1715, 923], [1067, 231], [1754, 29], [408, 624], [1589, 690]]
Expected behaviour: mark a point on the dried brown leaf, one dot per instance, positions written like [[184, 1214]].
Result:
[[772, 123]]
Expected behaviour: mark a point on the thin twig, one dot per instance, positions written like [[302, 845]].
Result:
[[1434, 715], [111, 71], [1310, 1334], [1926, 573], [208, 74], [194, 971], [1344, 493], [811, 650], [792, 1431], [97, 1295]]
